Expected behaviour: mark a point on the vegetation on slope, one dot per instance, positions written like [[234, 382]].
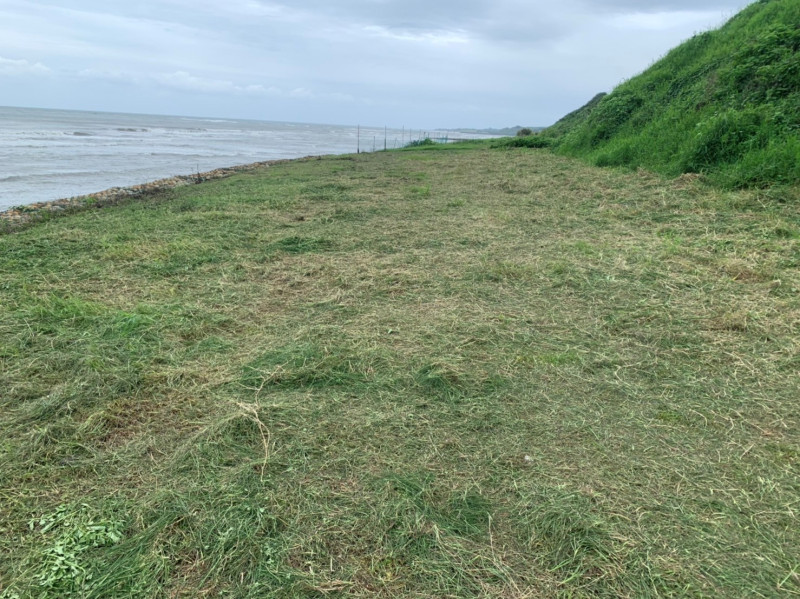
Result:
[[439, 372], [725, 103], [575, 118]]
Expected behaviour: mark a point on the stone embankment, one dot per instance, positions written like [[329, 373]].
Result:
[[20, 215]]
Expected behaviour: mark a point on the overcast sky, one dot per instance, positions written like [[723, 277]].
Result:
[[418, 63]]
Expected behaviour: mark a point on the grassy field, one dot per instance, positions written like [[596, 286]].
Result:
[[444, 372]]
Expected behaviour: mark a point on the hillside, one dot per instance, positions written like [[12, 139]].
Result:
[[441, 372], [725, 103], [574, 118]]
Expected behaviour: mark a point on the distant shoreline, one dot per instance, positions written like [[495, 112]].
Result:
[[62, 154]]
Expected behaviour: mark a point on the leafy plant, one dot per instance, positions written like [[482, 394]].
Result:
[[68, 535]]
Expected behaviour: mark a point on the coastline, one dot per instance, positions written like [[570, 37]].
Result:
[[18, 216]]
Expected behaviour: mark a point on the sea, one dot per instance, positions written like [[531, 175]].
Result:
[[52, 154]]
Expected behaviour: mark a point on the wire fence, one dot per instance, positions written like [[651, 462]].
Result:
[[391, 141]]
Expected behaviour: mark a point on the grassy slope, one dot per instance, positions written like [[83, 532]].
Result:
[[447, 372], [575, 118], [725, 103]]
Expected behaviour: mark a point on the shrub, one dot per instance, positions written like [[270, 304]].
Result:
[[532, 141], [420, 142]]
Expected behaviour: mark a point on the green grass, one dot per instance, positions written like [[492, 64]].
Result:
[[725, 103], [437, 372]]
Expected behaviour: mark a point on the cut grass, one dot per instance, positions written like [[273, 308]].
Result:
[[436, 372]]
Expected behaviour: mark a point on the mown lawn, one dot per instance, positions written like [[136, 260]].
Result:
[[446, 372]]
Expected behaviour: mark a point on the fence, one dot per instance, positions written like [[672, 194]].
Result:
[[409, 137]]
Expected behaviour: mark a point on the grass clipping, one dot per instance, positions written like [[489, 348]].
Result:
[[446, 371]]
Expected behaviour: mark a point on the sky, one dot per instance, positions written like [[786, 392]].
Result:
[[413, 63]]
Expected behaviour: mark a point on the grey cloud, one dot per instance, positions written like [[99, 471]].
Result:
[[403, 14], [412, 62], [519, 21], [665, 5]]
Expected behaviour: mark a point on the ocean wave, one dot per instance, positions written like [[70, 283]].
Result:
[[209, 120], [79, 152], [195, 155], [173, 130]]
